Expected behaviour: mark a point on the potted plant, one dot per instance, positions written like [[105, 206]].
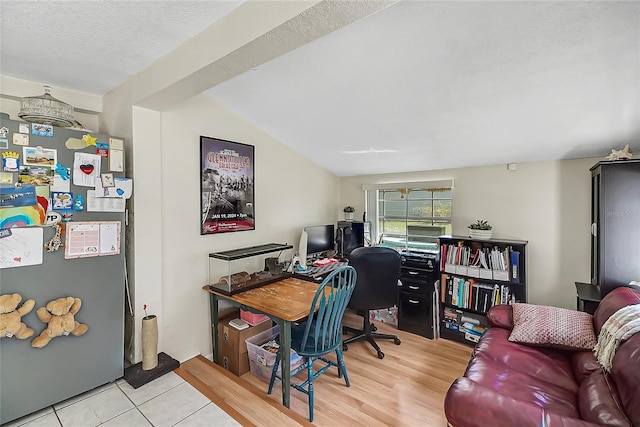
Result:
[[481, 229], [348, 212]]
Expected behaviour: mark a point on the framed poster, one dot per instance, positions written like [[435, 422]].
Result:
[[227, 186]]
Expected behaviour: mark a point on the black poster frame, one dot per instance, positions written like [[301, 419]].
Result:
[[226, 186]]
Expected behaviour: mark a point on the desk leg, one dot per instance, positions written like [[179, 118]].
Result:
[[285, 345], [213, 301]]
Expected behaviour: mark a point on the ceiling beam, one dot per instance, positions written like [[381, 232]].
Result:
[[252, 34]]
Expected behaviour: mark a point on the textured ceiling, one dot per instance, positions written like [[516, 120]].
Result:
[[95, 46], [417, 86], [431, 85]]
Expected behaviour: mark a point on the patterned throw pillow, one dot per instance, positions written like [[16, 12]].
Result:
[[546, 326]]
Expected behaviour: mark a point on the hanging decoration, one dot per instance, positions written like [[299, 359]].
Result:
[[47, 110]]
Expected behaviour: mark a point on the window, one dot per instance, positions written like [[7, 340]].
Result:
[[412, 215]]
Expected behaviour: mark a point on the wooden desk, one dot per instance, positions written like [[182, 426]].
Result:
[[284, 301]]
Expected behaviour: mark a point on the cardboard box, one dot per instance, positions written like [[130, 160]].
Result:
[[232, 344]]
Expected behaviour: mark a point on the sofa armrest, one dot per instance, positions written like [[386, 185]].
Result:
[[468, 404], [501, 316]]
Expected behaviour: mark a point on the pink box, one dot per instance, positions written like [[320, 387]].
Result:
[[252, 318]]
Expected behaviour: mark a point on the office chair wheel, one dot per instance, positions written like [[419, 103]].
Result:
[[396, 341], [373, 328], [380, 355], [345, 347]]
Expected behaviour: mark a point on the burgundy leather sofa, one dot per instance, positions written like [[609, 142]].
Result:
[[510, 384]]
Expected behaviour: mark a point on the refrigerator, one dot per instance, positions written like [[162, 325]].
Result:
[[34, 378]]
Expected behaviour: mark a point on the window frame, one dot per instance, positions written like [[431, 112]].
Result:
[[426, 239]]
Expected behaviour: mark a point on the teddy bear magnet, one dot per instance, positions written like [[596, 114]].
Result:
[[59, 317], [11, 324]]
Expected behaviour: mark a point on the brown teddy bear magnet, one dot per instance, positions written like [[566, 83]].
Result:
[[10, 316], [59, 315]]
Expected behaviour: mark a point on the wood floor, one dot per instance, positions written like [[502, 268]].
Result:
[[406, 388]]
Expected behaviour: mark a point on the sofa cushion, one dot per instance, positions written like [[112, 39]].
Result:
[[552, 326], [548, 364], [625, 373], [584, 363], [614, 301], [524, 386], [599, 402], [500, 315], [468, 404]]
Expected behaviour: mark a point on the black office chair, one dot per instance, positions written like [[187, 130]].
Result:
[[378, 270]]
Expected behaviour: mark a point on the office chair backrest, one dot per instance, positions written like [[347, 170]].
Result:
[[324, 333], [378, 271]]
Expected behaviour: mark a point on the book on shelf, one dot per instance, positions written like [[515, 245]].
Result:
[[468, 324], [467, 293], [515, 263], [493, 263]]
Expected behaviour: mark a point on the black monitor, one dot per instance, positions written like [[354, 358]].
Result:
[[320, 239]]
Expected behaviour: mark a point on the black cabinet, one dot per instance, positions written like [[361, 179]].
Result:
[[349, 235], [416, 296], [587, 297], [615, 224]]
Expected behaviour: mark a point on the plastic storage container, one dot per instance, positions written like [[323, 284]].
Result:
[[261, 360], [238, 270]]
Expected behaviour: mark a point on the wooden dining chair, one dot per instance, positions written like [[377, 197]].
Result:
[[321, 333]]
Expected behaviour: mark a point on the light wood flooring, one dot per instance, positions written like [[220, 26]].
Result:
[[406, 388]]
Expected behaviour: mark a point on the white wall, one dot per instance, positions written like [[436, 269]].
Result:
[[546, 203], [290, 192]]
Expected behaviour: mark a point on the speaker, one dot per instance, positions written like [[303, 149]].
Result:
[[350, 235]]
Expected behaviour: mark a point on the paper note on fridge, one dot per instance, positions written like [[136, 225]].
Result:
[[109, 238], [95, 238], [22, 248], [123, 188], [86, 167], [104, 204]]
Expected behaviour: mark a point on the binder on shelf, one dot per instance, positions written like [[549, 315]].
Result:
[[486, 274], [473, 271], [515, 263], [501, 275], [462, 270], [443, 257]]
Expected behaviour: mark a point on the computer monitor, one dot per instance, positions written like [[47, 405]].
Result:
[[320, 239]]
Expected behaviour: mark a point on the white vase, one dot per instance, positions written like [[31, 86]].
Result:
[[480, 234], [149, 342], [348, 216]]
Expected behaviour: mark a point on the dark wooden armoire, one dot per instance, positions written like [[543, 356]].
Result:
[[615, 224]]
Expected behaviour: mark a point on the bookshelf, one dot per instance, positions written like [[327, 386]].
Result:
[[475, 275]]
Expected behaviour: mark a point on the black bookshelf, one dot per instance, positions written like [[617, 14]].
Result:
[[477, 274]]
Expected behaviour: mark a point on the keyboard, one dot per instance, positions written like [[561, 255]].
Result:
[[314, 271]]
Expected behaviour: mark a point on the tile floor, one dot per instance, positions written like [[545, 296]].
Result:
[[165, 401]]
